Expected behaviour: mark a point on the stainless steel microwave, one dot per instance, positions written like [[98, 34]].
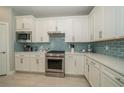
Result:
[[24, 36]]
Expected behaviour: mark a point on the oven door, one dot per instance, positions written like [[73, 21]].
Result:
[[54, 64]]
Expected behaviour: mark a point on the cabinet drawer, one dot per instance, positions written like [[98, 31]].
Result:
[[97, 65], [113, 75]]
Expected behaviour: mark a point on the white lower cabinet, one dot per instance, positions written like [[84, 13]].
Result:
[[74, 64], [94, 75], [37, 65], [92, 72], [99, 75], [86, 68], [22, 64], [69, 64], [106, 81], [26, 64], [30, 63], [18, 63]]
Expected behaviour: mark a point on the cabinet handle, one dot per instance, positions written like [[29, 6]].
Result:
[[73, 38], [118, 79], [37, 61], [91, 37], [93, 63], [56, 28], [41, 39], [88, 68], [21, 55], [75, 63], [21, 61], [100, 34], [22, 25]]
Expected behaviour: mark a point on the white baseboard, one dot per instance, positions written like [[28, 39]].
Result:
[[11, 73]]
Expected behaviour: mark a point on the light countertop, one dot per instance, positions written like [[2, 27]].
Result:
[[115, 63]]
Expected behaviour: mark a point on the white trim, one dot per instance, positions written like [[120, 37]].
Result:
[[8, 57], [11, 73]]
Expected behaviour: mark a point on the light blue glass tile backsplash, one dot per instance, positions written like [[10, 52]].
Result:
[[56, 43], [112, 48]]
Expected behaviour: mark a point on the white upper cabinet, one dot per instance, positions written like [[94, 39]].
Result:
[[52, 25], [24, 23], [65, 26], [114, 22], [91, 27], [41, 34], [119, 21], [98, 23], [59, 24], [74, 27], [107, 22], [80, 29]]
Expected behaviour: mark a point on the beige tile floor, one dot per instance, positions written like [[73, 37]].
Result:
[[38, 80]]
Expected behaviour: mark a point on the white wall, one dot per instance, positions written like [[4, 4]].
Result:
[[7, 15]]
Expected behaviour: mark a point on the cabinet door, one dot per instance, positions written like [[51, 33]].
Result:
[[119, 13], [26, 64], [109, 22], [18, 64], [41, 31], [33, 64], [69, 64], [86, 68], [38, 32], [99, 22], [24, 23], [19, 23], [107, 82], [80, 64], [91, 27], [80, 29], [94, 75], [68, 30], [41, 65], [28, 23], [52, 26], [61, 25], [64, 25]]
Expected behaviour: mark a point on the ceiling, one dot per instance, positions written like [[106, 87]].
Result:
[[52, 11]]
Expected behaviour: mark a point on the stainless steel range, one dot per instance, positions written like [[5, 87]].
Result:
[[55, 63]]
